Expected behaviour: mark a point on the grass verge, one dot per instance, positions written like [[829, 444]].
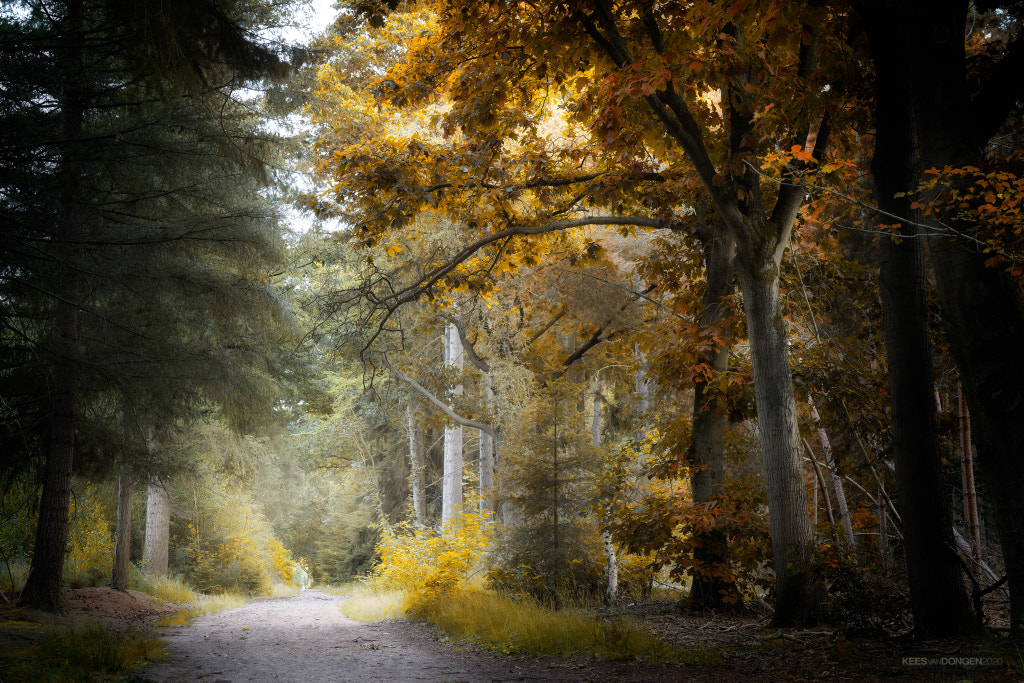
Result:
[[368, 605], [84, 651], [524, 627]]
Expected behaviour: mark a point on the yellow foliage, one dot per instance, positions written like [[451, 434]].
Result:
[[90, 545], [232, 546], [426, 564]]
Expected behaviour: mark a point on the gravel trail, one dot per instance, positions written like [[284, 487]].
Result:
[[307, 638]]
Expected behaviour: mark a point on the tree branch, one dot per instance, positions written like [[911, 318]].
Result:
[[425, 393]]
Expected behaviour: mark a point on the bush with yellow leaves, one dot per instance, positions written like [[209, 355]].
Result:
[[231, 547], [90, 552], [426, 564]]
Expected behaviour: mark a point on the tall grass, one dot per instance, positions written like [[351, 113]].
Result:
[[84, 651], [370, 605], [166, 589], [13, 575], [525, 627]]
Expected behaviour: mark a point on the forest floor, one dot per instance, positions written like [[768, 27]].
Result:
[[307, 638]]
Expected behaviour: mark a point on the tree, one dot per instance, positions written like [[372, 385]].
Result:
[[92, 110], [939, 107], [648, 129]]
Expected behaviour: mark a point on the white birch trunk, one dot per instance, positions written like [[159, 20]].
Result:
[[451, 493]]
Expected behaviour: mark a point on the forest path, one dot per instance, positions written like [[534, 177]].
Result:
[[307, 638]]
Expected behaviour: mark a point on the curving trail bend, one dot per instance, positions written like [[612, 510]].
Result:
[[307, 638]]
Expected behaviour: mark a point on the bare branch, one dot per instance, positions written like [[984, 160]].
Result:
[[425, 393]]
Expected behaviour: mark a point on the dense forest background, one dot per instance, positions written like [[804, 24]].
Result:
[[716, 300]]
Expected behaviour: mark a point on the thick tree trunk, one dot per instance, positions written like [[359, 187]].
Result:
[[799, 589], [158, 523], [122, 533], [43, 588], [986, 332], [451, 492], [900, 36], [706, 455]]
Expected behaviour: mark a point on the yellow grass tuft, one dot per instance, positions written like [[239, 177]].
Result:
[[371, 605], [525, 627], [167, 589], [284, 590]]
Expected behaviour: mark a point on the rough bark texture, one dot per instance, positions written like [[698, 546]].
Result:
[[122, 534], [799, 590], [158, 521], [451, 492], [43, 588], [710, 589]]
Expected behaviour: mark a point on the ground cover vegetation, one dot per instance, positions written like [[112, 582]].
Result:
[[713, 302]]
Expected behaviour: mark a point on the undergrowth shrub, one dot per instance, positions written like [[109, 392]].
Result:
[[229, 546], [90, 552], [426, 564]]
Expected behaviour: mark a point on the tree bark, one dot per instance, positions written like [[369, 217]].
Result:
[[611, 592], [451, 492], [122, 533], [417, 465], [158, 522], [43, 588], [487, 455], [972, 528], [711, 588], [837, 481], [799, 589]]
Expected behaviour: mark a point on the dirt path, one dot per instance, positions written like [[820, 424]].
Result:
[[307, 638]]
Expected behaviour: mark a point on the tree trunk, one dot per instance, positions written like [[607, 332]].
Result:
[[487, 455], [837, 481], [972, 528], [158, 522], [417, 464], [799, 589], [43, 588], [122, 533], [611, 593], [986, 331], [451, 492], [938, 599], [706, 455]]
